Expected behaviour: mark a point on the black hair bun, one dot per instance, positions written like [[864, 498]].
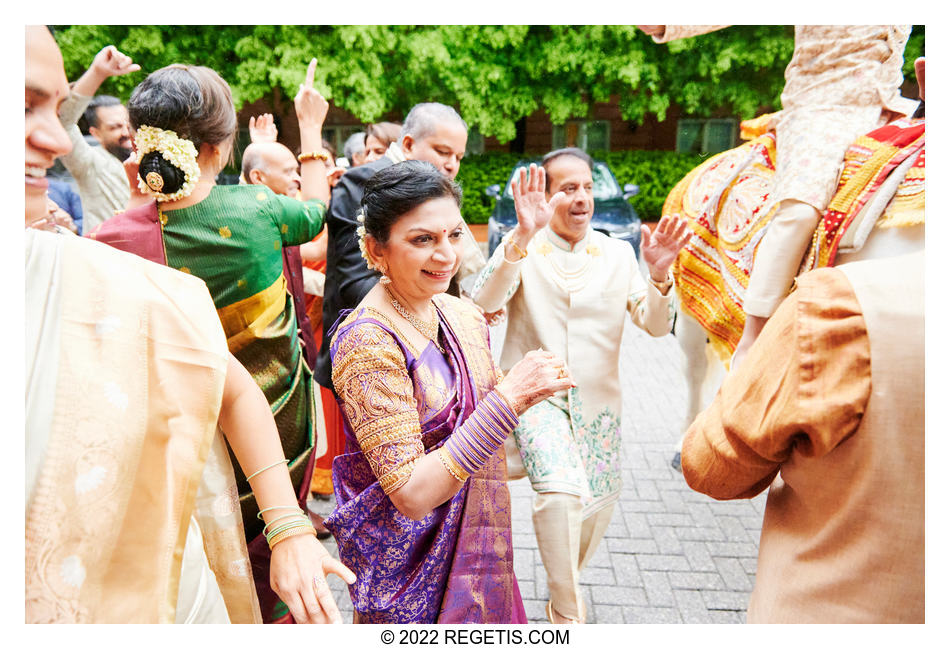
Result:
[[172, 178]]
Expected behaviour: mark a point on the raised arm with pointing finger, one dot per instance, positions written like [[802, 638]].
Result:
[[103, 184]]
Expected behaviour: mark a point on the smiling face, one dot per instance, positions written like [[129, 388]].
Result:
[[444, 147], [113, 131], [424, 250], [572, 176], [46, 139], [279, 170]]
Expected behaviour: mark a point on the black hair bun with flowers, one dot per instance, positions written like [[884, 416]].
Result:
[[160, 174]]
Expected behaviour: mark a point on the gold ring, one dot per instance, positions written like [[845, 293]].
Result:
[[562, 373]]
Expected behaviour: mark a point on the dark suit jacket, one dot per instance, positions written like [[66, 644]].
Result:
[[348, 279]]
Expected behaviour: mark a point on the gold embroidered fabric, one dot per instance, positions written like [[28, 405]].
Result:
[[373, 383]]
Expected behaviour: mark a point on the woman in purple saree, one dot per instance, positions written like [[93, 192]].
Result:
[[423, 513]]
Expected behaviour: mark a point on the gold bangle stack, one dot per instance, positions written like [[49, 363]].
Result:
[[452, 466], [297, 531]]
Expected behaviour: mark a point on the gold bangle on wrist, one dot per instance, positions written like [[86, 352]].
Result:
[[663, 286], [315, 155], [521, 253]]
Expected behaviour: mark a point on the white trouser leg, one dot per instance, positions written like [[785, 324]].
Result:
[[557, 525], [779, 257]]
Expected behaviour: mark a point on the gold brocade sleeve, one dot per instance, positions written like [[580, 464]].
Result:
[[370, 376]]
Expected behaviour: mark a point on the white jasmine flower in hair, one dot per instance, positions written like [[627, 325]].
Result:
[[176, 150]]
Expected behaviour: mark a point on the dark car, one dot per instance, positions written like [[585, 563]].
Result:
[[613, 214]]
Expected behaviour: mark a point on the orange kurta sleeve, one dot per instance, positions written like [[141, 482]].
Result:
[[805, 385]]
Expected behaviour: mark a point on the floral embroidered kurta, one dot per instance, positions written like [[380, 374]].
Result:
[[572, 301]]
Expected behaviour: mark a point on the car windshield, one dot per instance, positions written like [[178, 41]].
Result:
[[605, 186]]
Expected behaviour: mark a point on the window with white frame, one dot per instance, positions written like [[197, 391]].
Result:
[[705, 135], [589, 135]]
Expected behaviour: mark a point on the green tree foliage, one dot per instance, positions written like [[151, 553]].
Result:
[[494, 74]]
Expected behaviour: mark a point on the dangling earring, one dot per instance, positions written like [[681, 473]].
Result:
[[383, 279]]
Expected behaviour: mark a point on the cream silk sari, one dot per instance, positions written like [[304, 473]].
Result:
[[125, 368]]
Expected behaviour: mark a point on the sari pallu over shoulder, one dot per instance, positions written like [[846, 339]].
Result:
[[261, 327], [456, 564]]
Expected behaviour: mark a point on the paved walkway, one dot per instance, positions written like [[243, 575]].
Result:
[[670, 555]]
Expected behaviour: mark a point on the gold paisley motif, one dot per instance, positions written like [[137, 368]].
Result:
[[225, 232]]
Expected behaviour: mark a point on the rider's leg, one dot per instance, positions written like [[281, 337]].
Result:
[[777, 260]]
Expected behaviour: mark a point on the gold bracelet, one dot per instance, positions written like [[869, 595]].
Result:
[[455, 471], [315, 155], [297, 531], [521, 253], [663, 286]]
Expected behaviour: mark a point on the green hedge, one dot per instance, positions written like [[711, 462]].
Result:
[[656, 172]]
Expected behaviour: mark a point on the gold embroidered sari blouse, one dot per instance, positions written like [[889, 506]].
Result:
[[384, 406]]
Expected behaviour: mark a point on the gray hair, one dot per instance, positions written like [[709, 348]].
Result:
[[354, 144], [423, 119]]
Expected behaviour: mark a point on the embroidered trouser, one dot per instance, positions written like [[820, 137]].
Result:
[[567, 541]]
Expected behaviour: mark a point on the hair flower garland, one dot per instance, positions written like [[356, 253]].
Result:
[[361, 238], [176, 150]]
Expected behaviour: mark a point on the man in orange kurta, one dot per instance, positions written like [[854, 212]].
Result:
[[828, 409]]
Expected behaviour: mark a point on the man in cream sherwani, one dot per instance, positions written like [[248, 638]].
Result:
[[569, 289]]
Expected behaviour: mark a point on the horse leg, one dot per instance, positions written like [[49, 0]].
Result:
[[692, 340]]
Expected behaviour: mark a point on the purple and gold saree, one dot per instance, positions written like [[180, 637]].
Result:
[[456, 564]]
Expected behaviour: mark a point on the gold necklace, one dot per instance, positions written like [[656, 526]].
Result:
[[428, 329]]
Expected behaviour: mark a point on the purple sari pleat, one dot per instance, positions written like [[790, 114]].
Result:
[[456, 565]]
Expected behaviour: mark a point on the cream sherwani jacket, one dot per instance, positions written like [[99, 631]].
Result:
[[573, 301]]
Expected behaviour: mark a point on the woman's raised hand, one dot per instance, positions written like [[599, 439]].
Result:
[[537, 376], [299, 567], [534, 211], [310, 105]]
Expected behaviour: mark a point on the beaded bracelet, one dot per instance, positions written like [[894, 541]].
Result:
[[314, 155]]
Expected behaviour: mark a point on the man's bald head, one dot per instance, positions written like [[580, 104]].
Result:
[[271, 164]]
